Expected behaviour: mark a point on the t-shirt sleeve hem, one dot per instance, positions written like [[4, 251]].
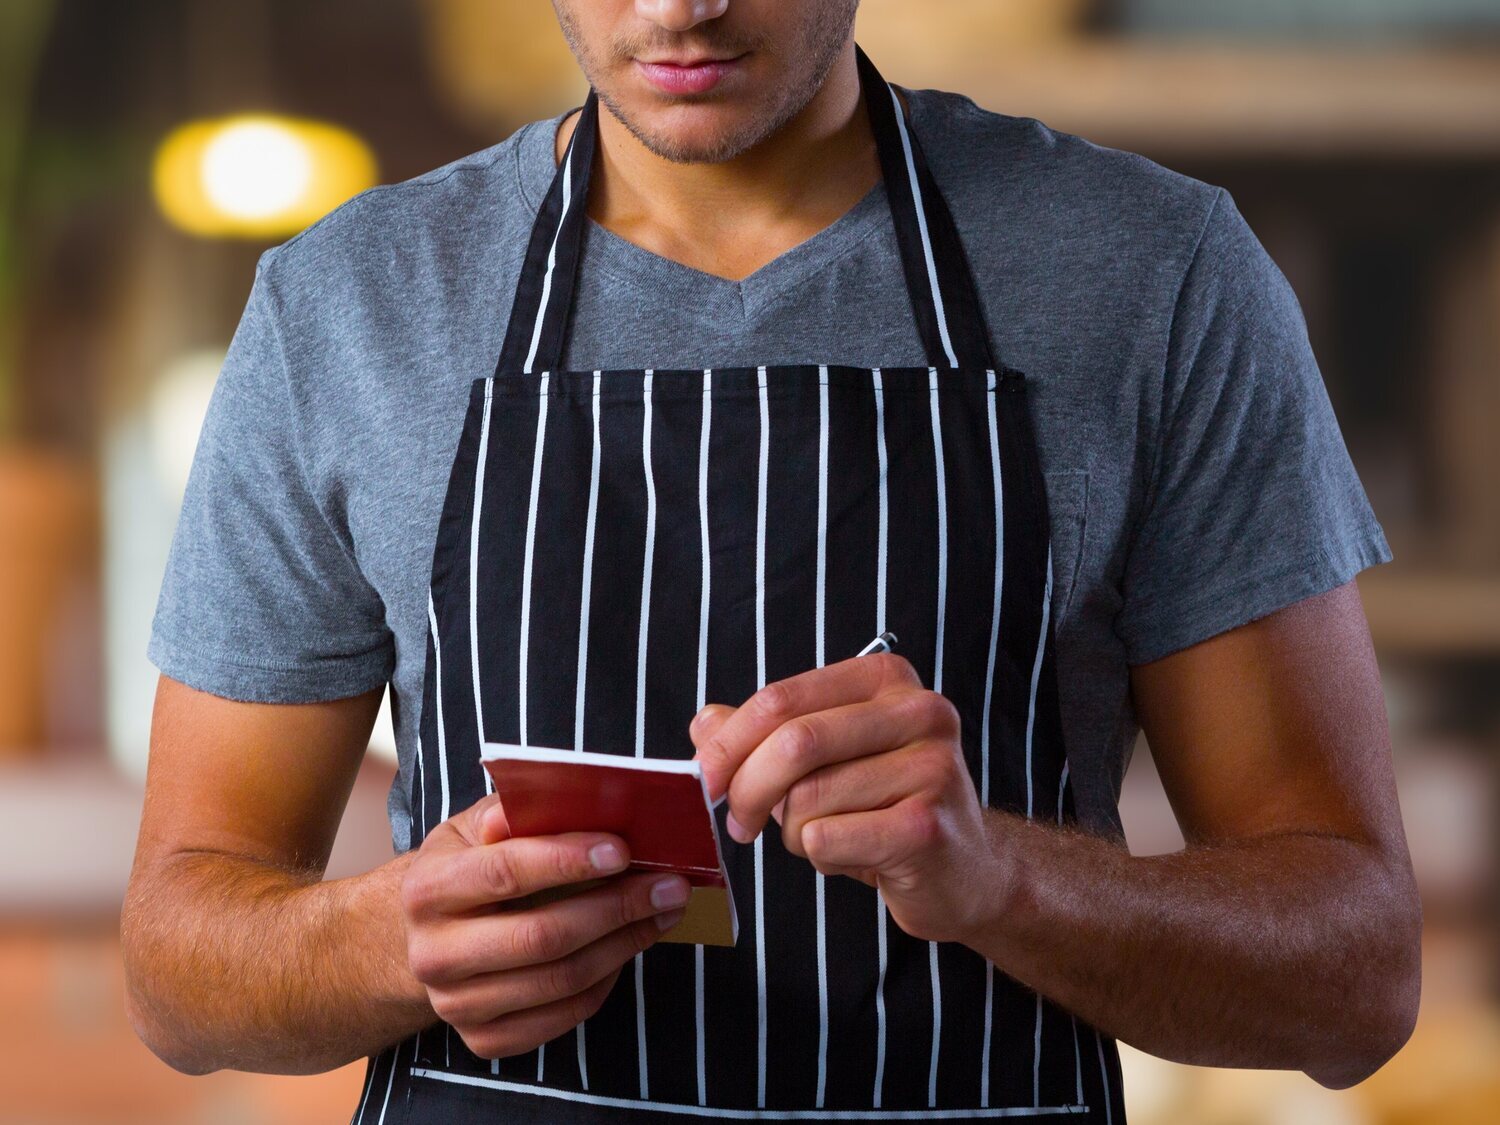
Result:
[[1221, 608], [306, 682]]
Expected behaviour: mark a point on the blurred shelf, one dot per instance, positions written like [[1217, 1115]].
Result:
[[1212, 97], [1433, 615], [68, 831]]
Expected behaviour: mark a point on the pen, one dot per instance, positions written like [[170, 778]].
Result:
[[886, 642]]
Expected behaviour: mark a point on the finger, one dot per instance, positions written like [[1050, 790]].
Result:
[[464, 947], [833, 685], [860, 784], [707, 721], [518, 1032], [879, 839], [485, 997], [463, 880], [866, 875], [811, 741]]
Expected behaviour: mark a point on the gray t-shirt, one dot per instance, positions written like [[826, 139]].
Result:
[[1196, 474]]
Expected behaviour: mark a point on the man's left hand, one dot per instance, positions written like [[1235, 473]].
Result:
[[863, 769]]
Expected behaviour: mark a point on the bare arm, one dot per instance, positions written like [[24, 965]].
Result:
[[237, 954], [1286, 934]]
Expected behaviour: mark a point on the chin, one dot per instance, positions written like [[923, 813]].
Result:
[[706, 132], [698, 144]]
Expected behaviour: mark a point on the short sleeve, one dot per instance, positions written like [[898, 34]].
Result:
[[1252, 502], [262, 599]]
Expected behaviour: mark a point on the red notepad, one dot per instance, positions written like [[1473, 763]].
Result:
[[659, 806]]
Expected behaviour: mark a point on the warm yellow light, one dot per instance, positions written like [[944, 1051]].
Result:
[[257, 175], [255, 169]]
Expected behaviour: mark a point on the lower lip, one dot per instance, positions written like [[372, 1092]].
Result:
[[697, 79]]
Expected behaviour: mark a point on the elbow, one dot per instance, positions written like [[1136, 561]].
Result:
[[145, 1005], [1391, 991], [1368, 1048], [160, 1042]]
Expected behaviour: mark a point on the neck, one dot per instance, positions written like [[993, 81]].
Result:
[[730, 218]]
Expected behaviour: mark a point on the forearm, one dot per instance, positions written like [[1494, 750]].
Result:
[[1290, 952], [235, 964]]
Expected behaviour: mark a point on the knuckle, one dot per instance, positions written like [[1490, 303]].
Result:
[[923, 823], [498, 870], [450, 1008], [573, 1011], [773, 700], [929, 711], [806, 793], [538, 939], [643, 935], [896, 669], [797, 742], [425, 960], [939, 771], [802, 799], [944, 715], [416, 892], [590, 1000], [910, 708], [566, 976], [714, 751], [626, 901]]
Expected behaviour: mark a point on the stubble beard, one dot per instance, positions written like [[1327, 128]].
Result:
[[821, 43]]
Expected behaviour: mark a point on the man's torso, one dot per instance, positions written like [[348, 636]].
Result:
[[395, 302]]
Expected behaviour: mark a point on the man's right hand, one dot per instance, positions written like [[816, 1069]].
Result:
[[508, 975]]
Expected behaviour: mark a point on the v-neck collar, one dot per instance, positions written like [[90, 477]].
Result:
[[626, 262]]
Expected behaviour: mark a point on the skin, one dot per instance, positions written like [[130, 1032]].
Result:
[[1285, 935], [728, 180], [238, 955]]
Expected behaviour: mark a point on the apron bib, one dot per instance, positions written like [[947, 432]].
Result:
[[618, 548]]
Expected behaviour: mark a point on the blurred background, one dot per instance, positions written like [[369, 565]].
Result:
[[150, 150]]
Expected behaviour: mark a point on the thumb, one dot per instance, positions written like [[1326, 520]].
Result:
[[483, 822]]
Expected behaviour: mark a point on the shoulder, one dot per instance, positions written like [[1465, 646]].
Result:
[[1015, 185], [396, 241]]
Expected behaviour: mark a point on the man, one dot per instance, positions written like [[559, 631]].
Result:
[[1202, 529]]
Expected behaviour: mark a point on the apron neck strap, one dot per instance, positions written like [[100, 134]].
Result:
[[938, 280], [544, 293]]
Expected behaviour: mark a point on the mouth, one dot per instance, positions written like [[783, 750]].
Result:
[[687, 76]]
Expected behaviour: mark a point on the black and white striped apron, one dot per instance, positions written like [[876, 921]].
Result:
[[618, 548]]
